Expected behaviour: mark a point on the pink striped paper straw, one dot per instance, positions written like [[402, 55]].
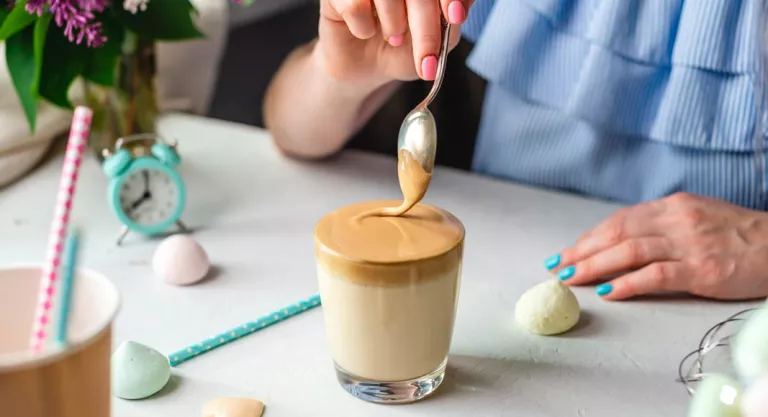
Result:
[[78, 136]]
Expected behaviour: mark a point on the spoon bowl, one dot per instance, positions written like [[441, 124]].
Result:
[[418, 135]]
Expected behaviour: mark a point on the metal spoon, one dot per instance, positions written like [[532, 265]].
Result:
[[418, 133]]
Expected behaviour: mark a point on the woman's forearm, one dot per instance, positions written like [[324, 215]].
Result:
[[312, 115]]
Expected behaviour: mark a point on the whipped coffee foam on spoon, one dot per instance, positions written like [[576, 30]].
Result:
[[414, 181]]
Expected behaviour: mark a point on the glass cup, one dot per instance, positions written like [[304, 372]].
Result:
[[73, 381], [389, 323]]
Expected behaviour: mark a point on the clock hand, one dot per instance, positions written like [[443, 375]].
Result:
[[138, 203], [146, 182]]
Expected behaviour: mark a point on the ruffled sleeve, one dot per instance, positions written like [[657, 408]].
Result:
[[687, 73]]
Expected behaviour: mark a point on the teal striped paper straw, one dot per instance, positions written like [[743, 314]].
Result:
[[243, 330], [68, 278]]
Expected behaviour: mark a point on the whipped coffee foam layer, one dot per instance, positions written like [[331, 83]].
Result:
[[359, 245], [414, 182]]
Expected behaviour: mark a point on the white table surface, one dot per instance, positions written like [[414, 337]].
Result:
[[254, 210]]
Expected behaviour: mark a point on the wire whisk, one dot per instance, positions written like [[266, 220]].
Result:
[[694, 361]]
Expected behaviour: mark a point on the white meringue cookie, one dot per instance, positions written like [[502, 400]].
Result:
[[180, 260]]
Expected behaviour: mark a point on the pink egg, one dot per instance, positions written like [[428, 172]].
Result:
[[180, 260], [754, 403]]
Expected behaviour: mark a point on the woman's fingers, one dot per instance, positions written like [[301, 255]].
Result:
[[393, 19], [456, 14], [455, 11], [401, 21], [600, 242], [455, 38], [658, 276], [627, 255], [628, 223], [358, 15], [426, 35]]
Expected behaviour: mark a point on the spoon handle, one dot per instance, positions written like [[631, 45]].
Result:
[[440, 66]]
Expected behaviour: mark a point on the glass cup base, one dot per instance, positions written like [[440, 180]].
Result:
[[400, 392]]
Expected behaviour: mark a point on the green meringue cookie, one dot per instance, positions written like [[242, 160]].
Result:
[[138, 371], [548, 308], [716, 396], [750, 347]]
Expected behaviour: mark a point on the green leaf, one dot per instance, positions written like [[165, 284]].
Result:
[[3, 15], [164, 20], [63, 61], [20, 57], [40, 34], [101, 62], [16, 20]]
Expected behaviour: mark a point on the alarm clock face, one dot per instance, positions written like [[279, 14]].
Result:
[[149, 196]]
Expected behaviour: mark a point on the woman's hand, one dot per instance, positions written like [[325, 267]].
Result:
[[377, 41], [326, 90], [684, 243]]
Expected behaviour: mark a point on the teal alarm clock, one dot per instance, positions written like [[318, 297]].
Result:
[[145, 190]]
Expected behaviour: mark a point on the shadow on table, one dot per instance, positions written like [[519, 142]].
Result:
[[172, 386], [133, 238], [666, 297], [550, 386], [589, 325], [214, 272], [475, 375]]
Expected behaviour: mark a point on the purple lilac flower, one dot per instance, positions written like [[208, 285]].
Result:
[[75, 16], [36, 6]]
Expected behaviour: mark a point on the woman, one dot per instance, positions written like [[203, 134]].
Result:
[[654, 102]]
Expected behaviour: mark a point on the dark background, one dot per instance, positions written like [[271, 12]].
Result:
[[254, 53]]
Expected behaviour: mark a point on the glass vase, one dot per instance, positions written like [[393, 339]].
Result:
[[128, 107]]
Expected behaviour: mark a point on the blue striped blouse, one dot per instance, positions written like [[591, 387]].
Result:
[[628, 100]]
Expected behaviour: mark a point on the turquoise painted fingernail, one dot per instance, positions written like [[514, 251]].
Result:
[[566, 273], [552, 262], [604, 289]]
